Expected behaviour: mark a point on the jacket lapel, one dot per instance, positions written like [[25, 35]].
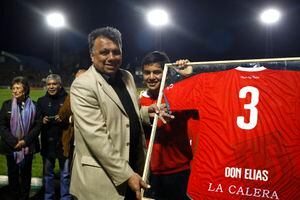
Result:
[[131, 93], [108, 90]]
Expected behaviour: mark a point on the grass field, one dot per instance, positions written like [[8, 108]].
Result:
[[5, 94]]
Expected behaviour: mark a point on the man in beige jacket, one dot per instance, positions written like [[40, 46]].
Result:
[[109, 142]]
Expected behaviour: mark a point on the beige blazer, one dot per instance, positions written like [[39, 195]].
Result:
[[100, 162]]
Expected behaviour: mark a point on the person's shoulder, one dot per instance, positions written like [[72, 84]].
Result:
[[7, 102], [144, 94], [63, 93], [41, 98], [86, 80], [85, 77], [126, 74], [34, 102]]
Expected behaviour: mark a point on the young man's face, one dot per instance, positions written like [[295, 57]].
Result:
[[152, 75], [106, 56]]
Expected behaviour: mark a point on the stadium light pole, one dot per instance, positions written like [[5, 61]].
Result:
[[158, 18], [56, 20], [269, 17]]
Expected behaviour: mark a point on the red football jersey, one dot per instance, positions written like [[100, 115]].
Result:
[[249, 133], [171, 149]]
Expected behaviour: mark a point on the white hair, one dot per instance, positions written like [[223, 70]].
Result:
[[55, 77]]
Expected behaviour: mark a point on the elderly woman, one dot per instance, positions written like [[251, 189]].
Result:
[[19, 128]]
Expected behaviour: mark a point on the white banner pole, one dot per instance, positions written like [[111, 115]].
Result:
[[154, 126], [245, 61]]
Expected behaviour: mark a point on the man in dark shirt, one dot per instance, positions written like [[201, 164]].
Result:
[[51, 135], [109, 142]]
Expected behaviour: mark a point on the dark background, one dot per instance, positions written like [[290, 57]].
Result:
[[199, 30]]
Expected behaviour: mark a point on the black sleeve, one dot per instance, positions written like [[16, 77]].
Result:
[[6, 135], [39, 106]]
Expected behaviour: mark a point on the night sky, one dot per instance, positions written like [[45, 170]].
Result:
[[199, 30]]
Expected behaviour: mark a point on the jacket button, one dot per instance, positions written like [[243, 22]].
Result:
[[128, 143], [127, 125]]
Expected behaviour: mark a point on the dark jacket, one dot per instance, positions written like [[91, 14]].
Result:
[[51, 132], [8, 141]]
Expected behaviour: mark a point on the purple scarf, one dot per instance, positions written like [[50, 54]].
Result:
[[20, 122]]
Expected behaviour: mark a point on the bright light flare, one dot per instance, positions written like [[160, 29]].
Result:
[[55, 20], [270, 16], [158, 17]]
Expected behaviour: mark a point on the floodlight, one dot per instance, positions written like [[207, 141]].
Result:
[[158, 17], [270, 16], [55, 20]]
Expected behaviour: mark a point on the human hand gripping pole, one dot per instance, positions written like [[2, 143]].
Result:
[[183, 68], [153, 131], [136, 183]]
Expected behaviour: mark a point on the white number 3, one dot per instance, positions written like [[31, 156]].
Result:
[[251, 106]]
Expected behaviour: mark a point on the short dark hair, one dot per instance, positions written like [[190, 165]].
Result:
[[155, 57], [24, 82], [107, 32]]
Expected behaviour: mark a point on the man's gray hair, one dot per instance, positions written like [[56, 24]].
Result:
[[54, 77], [107, 32]]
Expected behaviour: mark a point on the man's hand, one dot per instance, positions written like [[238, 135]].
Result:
[[45, 120], [57, 118], [182, 68], [135, 183]]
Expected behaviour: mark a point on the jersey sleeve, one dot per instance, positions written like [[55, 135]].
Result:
[[298, 104], [185, 94]]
